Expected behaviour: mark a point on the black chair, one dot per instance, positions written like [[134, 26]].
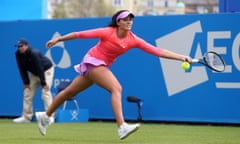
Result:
[[139, 103], [62, 86]]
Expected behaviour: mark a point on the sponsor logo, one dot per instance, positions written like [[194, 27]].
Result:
[[65, 61], [184, 41], [74, 115]]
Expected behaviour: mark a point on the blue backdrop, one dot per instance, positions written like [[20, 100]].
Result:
[[168, 92], [229, 6], [23, 10]]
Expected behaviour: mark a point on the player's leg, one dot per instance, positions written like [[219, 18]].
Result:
[[102, 76], [79, 84]]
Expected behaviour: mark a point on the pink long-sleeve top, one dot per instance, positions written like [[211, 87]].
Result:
[[111, 46]]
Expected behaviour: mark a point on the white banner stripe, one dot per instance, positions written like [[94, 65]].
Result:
[[228, 84]]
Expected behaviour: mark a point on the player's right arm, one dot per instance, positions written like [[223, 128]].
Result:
[[68, 36], [93, 33]]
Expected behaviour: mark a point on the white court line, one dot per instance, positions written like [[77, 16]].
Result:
[[228, 84]]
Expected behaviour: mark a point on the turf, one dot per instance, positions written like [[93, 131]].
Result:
[[106, 133]]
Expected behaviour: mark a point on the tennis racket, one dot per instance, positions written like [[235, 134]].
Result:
[[212, 60]]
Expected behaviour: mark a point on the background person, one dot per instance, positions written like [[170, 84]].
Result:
[[35, 70], [114, 40]]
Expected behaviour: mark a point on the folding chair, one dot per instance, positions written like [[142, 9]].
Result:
[[139, 103], [62, 86]]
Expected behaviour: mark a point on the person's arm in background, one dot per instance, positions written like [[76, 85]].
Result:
[[23, 72]]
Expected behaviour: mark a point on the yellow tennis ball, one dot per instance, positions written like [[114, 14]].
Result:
[[185, 65]]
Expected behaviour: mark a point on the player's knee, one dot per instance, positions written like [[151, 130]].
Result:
[[117, 90]]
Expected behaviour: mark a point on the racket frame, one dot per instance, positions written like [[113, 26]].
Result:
[[203, 61]]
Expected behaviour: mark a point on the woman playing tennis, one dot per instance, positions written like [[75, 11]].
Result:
[[114, 40]]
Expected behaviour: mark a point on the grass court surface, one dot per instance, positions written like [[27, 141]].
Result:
[[106, 133]]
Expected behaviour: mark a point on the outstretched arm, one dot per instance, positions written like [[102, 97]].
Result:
[[68, 36], [91, 33], [164, 53], [172, 55]]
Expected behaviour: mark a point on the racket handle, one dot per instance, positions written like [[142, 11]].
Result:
[[195, 60]]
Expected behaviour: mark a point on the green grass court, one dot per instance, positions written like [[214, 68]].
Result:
[[106, 133]]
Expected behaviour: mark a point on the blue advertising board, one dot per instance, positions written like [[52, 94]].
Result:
[[229, 6], [168, 92], [23, 10]]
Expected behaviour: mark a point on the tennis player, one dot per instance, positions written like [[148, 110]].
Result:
[[114, 40]]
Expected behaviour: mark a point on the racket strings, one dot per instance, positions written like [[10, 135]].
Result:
[[214, 61]]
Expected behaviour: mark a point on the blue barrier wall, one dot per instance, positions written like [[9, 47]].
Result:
[[229, 6], [169, 93], [23, 9]]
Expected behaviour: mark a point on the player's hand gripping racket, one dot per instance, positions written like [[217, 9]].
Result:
[[212, 60]]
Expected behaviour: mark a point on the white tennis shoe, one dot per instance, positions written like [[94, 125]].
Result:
[[43, 122], [126, 129], [21, 119]]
